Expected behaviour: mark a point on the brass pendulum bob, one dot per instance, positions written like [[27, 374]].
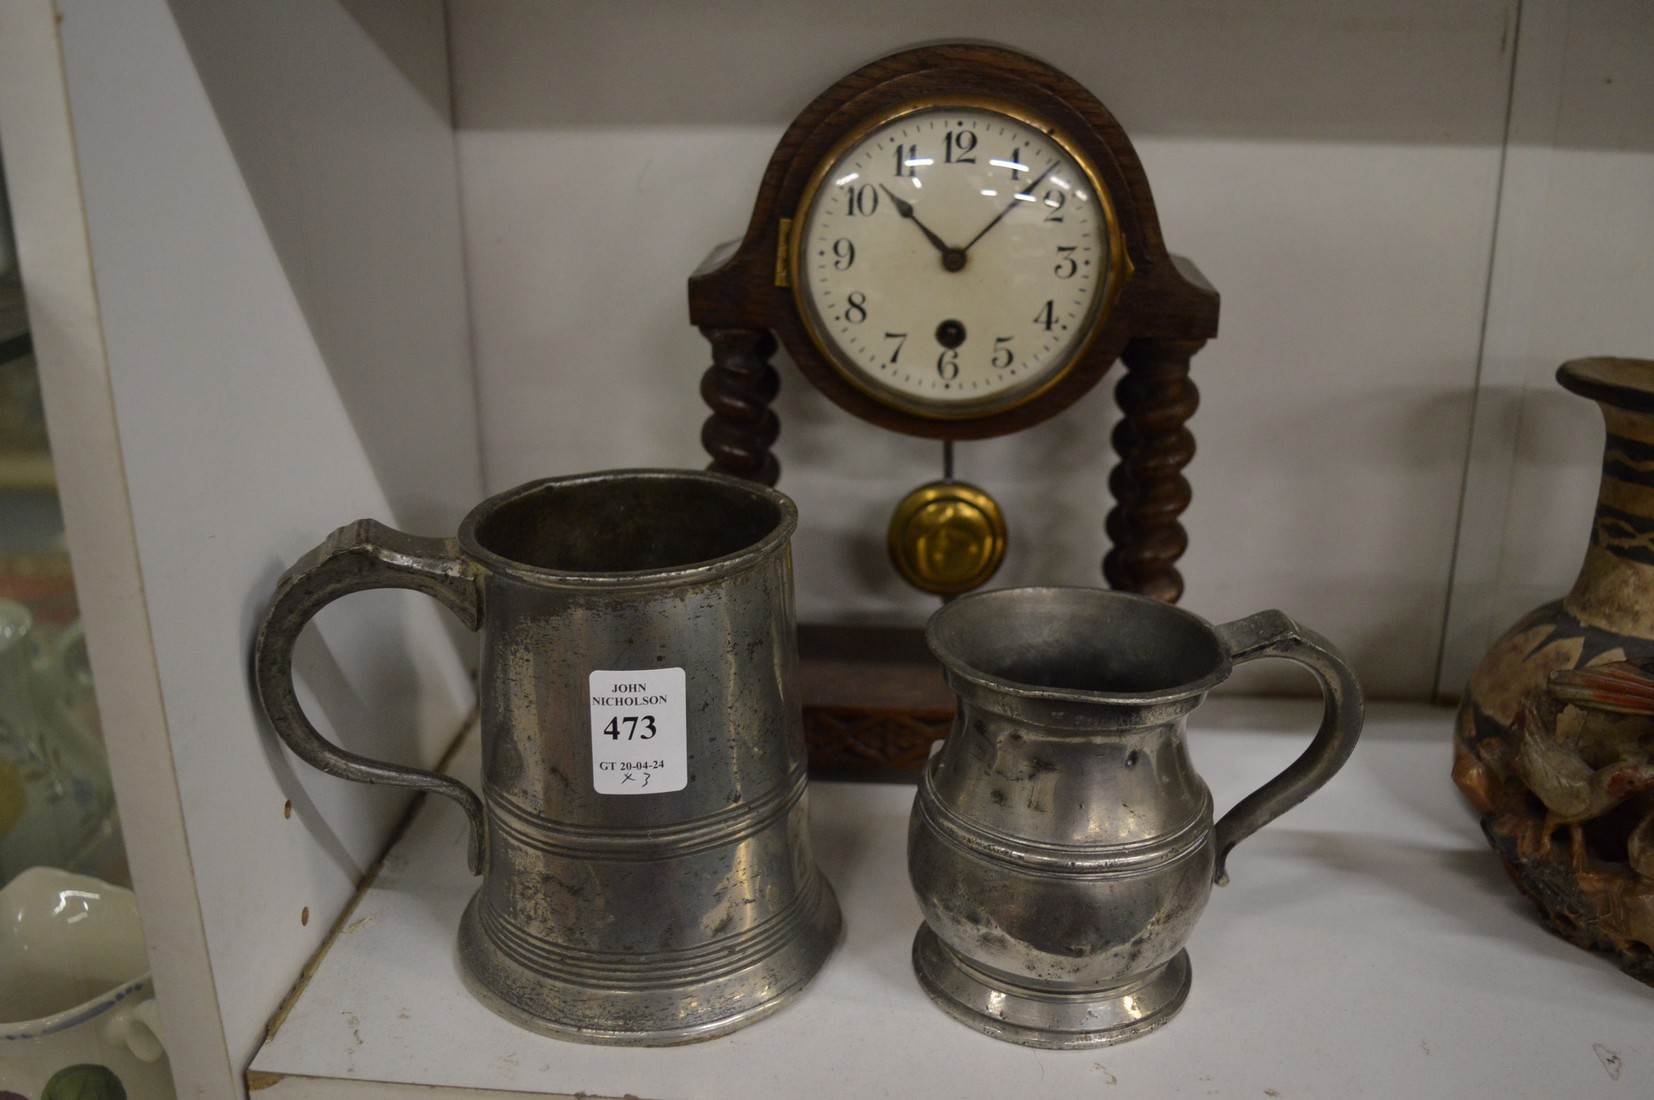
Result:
[[947, 537]]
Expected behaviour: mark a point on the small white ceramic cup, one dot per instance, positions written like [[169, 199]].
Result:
[[77, 1013]]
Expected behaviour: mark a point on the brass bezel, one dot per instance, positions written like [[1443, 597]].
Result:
[[792, 232]]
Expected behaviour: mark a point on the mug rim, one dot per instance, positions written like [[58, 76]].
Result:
[[73, 1016], [38, 1027], [1173, 694], [709, 569]]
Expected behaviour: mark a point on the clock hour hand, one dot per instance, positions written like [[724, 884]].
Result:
[[1013, 205], [952, 258]]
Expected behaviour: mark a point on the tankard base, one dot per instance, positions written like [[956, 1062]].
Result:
[[1042, 1018], [659, 1010]]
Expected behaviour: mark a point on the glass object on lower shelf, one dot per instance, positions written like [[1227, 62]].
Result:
[[56, 805]]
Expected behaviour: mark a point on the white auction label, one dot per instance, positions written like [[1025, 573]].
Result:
[[640, 741]]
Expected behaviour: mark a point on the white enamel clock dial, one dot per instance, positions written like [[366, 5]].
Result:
[[954, 260]]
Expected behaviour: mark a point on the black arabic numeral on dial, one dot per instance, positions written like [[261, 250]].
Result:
[[1016, 164], [1002, 353], [1047, 317], [901, 340], [844, 254], [1054, 198], [947, 364], [958, 146], [1066, 264], [906, 160], [856, 310], [863, 200]]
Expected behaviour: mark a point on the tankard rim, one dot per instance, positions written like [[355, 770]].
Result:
[[956, 665], [709, 569]]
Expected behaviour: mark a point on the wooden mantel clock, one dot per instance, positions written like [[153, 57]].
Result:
[[957, 242]]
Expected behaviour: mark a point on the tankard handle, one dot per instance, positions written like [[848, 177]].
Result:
[[357, 557], [1273, 634]]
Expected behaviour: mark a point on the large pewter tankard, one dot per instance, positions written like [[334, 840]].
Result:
[[1061, 844], [642, 832]]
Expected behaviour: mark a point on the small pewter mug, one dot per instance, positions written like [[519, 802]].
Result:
[[643, 832], [1061, 844]]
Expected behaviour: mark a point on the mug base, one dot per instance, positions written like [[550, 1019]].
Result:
[[666, 1008], [1042, 1018]]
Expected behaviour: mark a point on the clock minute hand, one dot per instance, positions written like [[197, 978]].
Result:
[[1025, 191]]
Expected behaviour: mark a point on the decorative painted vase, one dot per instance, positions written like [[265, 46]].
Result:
[[1554, 743]]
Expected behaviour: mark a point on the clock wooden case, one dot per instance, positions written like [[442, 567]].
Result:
[[1147, 308]]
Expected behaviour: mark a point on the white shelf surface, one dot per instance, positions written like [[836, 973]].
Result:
[[1368, 945]]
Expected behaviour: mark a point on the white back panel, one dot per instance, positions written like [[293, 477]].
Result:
[[1333, 171]]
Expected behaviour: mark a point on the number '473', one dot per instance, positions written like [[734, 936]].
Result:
[[631, 723]]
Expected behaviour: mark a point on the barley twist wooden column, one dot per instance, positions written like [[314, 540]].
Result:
[[1149, 489], [739, 387]]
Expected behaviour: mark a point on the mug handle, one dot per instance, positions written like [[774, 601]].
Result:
[[1273, 634], [137, 1026], [357, 557]]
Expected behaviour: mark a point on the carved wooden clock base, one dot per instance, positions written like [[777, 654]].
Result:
[[874, 701]]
